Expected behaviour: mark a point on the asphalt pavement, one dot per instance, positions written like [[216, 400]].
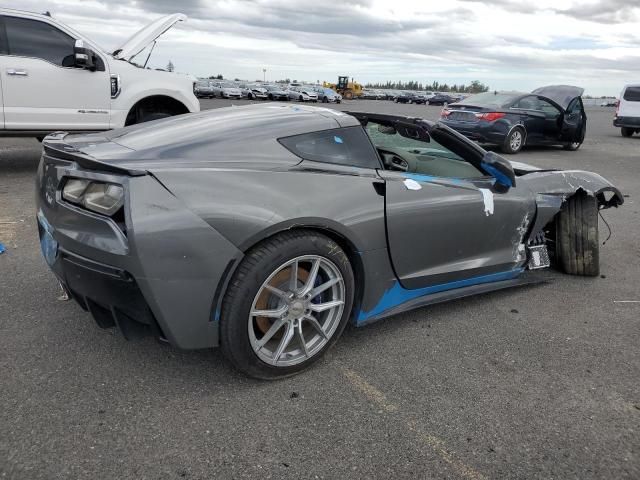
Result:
[[535, 382]]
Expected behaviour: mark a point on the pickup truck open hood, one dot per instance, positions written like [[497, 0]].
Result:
[[145, 36]]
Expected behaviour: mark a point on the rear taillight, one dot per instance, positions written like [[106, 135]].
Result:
[[490, 116], [445, 113]]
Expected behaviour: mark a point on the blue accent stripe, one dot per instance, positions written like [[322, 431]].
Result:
[[418, 177], [397, 295], [497, 174]]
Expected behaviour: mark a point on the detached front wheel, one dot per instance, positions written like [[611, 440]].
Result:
[[577, 247], [286, 305]]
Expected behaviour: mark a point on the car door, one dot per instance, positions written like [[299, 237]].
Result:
[[447, 220], [574, 122], [42, 90], [531, 117]]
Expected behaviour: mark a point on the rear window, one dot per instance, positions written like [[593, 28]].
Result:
[[632, 94], [343, 146], [491, 99]]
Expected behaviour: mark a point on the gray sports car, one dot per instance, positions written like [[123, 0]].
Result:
[[265, 229]]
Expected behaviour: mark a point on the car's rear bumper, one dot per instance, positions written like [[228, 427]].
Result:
[[161, 272], [481, 132], [110, 294], [629, 122]]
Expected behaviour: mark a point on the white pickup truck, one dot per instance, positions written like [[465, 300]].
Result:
[[53, 78]]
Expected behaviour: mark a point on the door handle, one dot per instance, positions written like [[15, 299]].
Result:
[[17, 71]]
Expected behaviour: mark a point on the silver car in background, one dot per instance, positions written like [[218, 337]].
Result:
[[253, 91], [204, 89], [303, 93], [226, 90]]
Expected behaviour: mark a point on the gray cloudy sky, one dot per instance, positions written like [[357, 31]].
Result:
[[506, 44]]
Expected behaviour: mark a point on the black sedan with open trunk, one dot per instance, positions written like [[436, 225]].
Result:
[[551, 115]]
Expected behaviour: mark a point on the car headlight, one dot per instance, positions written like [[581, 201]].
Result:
[[100, 197]]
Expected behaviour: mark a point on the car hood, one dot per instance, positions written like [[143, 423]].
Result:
[[561, 94], [231, 89], [145, 36]]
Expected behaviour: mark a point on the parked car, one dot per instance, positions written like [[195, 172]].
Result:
[[303, 93], [402, 97], [204, 89], [371, 94], [628, 111], [418, 98], [227, 90], [253, 91], [552, 115], [441, 99], [327, 95], [220, 215], [276, 92], [54, 78]]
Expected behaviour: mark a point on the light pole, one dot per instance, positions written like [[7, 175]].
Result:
[[264, 74]]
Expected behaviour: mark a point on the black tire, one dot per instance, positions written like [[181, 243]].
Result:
[[510, 145], [154, 116], [250, 96], [626, 132], [577, 247], [325, 100], [572, 146], [300, 99], [255, 268]]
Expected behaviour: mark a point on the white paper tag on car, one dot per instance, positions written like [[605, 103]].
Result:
[[412, 184]]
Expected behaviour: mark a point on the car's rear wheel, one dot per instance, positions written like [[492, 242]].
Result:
[[577, 248], [626, 132], [286, 305], [572, 146], [514, 141]]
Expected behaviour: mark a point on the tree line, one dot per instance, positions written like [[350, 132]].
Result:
[[474, 87]]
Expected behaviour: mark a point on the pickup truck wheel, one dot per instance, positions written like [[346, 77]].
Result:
[[626, 132], [153, 116], [286, 304], [577, 247]]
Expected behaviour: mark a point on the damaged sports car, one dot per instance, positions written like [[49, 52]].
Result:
[[265, 229]]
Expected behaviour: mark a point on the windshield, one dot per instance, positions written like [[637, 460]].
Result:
[[425, 157], [491, 99]]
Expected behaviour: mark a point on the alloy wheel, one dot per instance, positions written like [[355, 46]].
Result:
[[296, 311], [515, 142]]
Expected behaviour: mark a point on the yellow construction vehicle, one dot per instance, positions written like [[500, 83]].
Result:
[[348, 89]]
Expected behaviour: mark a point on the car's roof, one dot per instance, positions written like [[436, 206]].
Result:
[[245, 125]]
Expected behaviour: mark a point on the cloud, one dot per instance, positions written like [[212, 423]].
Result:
[[508, 44]]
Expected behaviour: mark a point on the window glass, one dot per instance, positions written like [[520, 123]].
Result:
[[549, 110], [632, 94], [423, 157], [31, 38], [343, 146], [529, 102], [489, 99]]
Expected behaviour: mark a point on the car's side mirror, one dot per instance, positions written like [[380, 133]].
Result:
[[83, 57], [500, 169]]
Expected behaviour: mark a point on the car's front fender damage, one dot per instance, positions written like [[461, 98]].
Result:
[[553, 188]]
